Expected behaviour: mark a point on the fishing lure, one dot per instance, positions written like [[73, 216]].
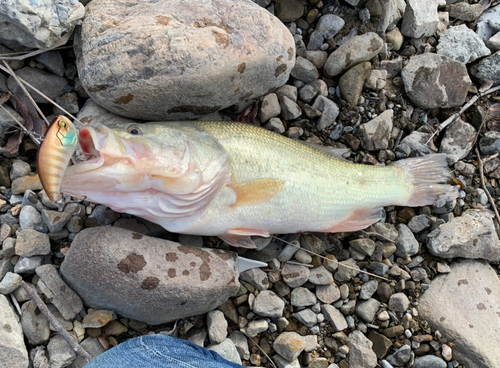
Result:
[[54, 154]]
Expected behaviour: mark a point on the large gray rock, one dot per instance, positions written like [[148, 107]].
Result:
[[179, 62], [488, 68], [108, 267], [12, 348], [471, 235], [436, 81], [354, 51], [457, 141], [464, 306], [420, 19], [38, 24], [462, 44]]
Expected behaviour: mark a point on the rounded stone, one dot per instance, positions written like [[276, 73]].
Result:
[[180, 62]]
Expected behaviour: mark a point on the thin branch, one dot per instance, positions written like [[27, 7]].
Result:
[[53, 321], [456, 115], [328, 259], [16, 304], [263, 352], [26, 131], [483, 185], [42, 94], [25, 91], [59, 43]]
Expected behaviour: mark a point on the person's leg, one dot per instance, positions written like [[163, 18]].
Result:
[[155, 351]]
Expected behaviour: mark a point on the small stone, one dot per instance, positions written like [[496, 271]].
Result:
[[486, 69], [97, 318], [307, 317], [26, 265], [344, 274], [376, 80], [288, 252], [302, 297], [240, 342], [255, 327], [289, 345], [19, 168], [361, 354], [32, 243], [227, 350], [462, 44], [295, 275], [364, 245], [329, 25], [406, 243], [328, 294], [368, 289], [217, 326], [269, 107], [302, 256], [367, 309], [376, 133], [381, 344], [30, 218], [288, 10], [268, 304], [419, 223], [465, 11], [104, 215], [398, 302], [394, 331], [330, 262], [10, 282], [320, 276], [351, 83], [35, 324], [429, 361], [255, 277], [289, 109], [400, 357], [420, 20], [494, 42], [304, 70], [275, 125], [312, 90], [334, 317], [395, 38], [60, 352], [55, 220], [329, 112], [457, 141]]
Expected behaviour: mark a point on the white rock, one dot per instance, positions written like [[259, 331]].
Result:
[[420, 18], [462, 44]]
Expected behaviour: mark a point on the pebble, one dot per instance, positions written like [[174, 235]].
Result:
[[268, 304], [320, 276], [27, 265], [400, 357], [35, 324], [329, 112], [376, 133], [420, 20], [462, 44], [398, 302], [240, 342], [289, 345], [344, 274], [255, 277], [334, 317], [361, 354], [295, 275], [406, 243], [30, 218], [289, 109], [288, 252], [367, 309], [304, 70], [302, 256], [255, 327], [97, 318], [60, 353], [429, 361], [488, 68], [307, 317], [352, 82], [328, 294], [217, 326], [329, 25], [302, 297], [368, 289], [51, 85], [227, 350], [32, 243], [55, 220], [18, 169], [269, 107]]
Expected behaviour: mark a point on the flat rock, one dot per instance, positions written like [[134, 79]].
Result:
[[30, 218], [389, 13], [174, 61], [469, 324], [354, 51], [60, 353], [344, 274], [431, 361], [289, 345], [320, 276], [457, 141], [227, 350], [351, 83], [465, 11], [334, 317], [255, 277], [167, 280], [472, 235], [488, 23], [268, 304], [304, 70], [361, 354], [295, 275], [329, 25], [302, 297], [217, 326], [35, 324], [32, 243], [420, 20], [328, 294], [58, 292], [55, 220], [376, 133], [329, 111], [10, 282], [489, 144], [38, 24], [367, 309], [461, 44], [12, 348], [24, 183], [436, 81]]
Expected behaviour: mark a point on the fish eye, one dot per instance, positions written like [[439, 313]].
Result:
[[134, 130], [62, 124]]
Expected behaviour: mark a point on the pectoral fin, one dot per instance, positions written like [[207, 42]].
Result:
[[256, 191], [359, 220], [241, 237]]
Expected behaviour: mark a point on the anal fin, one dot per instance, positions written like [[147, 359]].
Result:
[[256, 191], [240, 237], [359, 220]]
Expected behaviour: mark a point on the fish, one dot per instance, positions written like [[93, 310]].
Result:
[[236, 180], [58, 145]]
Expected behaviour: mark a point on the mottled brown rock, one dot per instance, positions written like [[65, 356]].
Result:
[[22, 184], [148, 279], [166, 61]]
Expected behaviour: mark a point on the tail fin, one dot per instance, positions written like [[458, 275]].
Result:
[[427, 177]]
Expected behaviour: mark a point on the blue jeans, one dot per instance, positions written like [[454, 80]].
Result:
[[155, 351]]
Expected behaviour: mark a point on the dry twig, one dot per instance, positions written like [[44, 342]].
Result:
[[480, 163], [263, 352], [53, 321]]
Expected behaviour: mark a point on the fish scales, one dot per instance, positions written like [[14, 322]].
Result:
[[236, 180]]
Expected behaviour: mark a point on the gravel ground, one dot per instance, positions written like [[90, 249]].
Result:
[[382, 296]]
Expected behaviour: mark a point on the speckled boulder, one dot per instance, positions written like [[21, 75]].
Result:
[[174, 59], [148, 279]]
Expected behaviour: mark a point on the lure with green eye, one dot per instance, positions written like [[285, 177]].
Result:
[[54, 154]]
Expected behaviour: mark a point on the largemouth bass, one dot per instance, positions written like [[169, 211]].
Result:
[[236, 180], [59, 144]]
